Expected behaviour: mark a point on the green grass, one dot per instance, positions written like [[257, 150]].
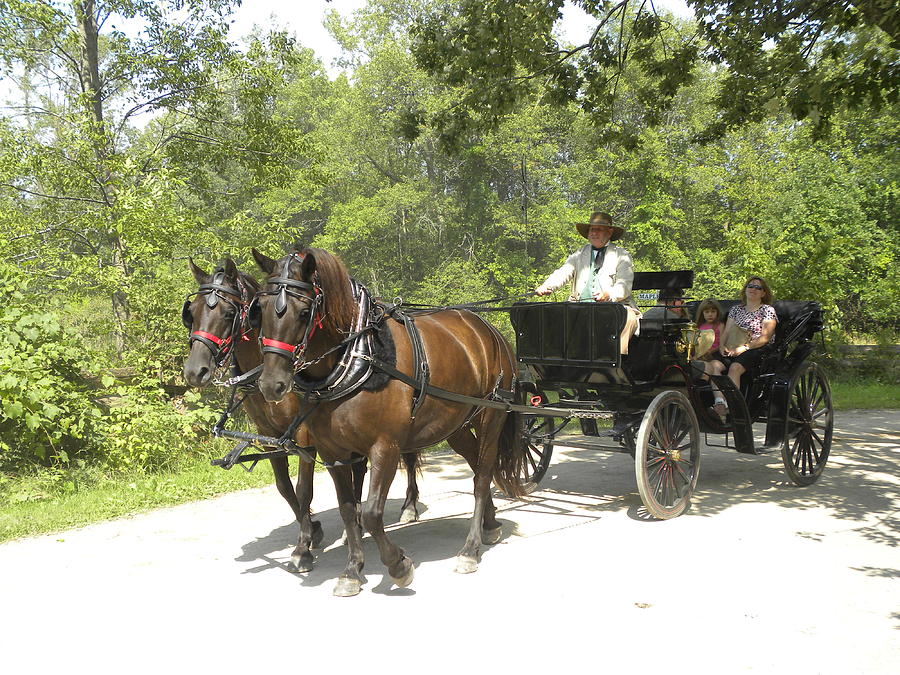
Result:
[[51, 501], [54, 500], [856, 395]]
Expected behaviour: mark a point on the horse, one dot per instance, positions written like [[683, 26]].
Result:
[[219, 331], [305, 314]]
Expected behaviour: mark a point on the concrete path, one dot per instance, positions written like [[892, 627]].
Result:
[[758, 576]]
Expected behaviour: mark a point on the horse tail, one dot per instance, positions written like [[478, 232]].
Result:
[[412, 462], [510, 468]]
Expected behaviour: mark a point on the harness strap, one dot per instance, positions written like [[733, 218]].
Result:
[[490, 402], [420, 362]]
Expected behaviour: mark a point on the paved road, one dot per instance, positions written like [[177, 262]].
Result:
[[759, 576]]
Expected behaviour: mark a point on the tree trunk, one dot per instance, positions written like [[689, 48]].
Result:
[[85, 15]]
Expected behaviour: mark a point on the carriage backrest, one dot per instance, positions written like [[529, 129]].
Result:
[[656, 281]]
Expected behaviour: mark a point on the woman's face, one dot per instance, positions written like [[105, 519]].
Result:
[[754, 290], [710, 314]]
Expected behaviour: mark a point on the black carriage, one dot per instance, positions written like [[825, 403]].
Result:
[[653, 403]]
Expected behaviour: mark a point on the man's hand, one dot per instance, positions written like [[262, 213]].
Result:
[[601, 296], [542, 290]]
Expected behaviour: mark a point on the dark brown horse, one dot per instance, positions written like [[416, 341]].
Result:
[[217, 319], [306, 310]]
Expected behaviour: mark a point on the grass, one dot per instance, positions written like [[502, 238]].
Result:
[[51, 501], [55, 500], [861, 395]]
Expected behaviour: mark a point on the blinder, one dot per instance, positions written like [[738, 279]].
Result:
[[187, 317], [254, 314]]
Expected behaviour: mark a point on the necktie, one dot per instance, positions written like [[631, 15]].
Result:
[[600, 255]]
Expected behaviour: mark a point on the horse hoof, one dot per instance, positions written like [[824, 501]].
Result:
[[317, 534], [302, 562], [406, 579], [465, 565], [492, 536], [409, 515], [346, 587]]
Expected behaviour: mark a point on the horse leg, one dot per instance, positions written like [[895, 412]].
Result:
[[359, 470], [399, 566], [484, 528], [299, 501], [351, 580], [409, 512]]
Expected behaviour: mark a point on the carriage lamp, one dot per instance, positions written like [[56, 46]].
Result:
[[688, 342]]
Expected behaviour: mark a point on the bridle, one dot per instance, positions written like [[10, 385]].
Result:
[[286, 286], [221, 347]]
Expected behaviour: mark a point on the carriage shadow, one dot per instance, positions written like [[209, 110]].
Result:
[[856, 485]]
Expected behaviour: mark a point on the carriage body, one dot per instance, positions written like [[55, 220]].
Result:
[[655, 399]]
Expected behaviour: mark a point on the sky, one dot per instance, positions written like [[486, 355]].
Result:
[[304, 18]]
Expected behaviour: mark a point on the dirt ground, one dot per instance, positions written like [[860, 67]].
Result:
[[758, 576]]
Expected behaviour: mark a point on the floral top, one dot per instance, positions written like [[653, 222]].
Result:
[[752, 321]]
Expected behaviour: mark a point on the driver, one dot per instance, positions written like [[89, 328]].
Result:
[[599, 271]]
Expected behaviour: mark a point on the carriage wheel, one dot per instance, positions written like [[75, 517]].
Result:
[[537, 435], [809, 427], [538, 438], [667, 458]]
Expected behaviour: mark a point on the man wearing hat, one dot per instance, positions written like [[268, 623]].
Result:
[[599, 271]]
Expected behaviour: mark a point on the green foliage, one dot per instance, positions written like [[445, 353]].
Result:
[[144, 430], [809, 58], [46, 414]]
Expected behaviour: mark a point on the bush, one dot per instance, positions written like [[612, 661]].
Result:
[[46, 414], [145, 430]]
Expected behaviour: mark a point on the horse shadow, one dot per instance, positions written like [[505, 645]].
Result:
[[425, 541]]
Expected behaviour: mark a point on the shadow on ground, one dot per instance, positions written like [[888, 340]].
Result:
[[858, 486]]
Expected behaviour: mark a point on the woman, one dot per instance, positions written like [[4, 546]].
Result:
[[756, 315]]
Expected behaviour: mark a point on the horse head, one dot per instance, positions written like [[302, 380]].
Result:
[[215, 316], [301, 313]]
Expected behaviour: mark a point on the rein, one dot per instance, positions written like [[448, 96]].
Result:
[[474, 307]]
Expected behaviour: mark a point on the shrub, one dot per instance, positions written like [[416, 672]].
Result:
[[46, 414]]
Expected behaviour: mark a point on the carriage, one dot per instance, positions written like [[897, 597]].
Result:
[[653, 403]]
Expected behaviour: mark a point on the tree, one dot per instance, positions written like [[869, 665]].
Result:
[[811, 57], [93, 203]]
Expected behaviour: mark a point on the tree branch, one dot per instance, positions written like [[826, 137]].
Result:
[[61, 198]]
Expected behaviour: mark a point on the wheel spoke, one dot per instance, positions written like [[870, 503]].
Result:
[[683, 475]]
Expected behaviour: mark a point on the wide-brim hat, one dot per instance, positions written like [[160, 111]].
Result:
[[600, 218]]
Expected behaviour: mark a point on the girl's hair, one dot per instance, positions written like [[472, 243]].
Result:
[[709, 303], [767, 292]]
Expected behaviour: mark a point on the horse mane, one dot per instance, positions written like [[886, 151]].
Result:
[[250, 281], [252, 284], [340, 307]]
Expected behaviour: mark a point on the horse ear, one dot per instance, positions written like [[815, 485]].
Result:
[[266, 264], [199, 274], [308, 267], [231, 270]]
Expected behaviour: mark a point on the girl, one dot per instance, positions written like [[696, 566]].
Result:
[[709, 317]]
